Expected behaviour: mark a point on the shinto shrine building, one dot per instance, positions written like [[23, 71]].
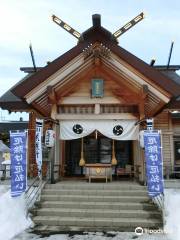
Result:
[[97, 97]]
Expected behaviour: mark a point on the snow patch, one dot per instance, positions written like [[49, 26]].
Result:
[[172, 213], [12, 214]]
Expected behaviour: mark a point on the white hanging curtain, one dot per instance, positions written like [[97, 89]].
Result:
[[114, 129]]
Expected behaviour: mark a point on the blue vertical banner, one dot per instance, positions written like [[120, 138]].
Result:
[[154, 162], [18, 146]]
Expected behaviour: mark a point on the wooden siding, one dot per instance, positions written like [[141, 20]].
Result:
[[84, 89], [163, 122], [176, 127]]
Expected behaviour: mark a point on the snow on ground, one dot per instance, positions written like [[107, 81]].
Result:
[[172, 213], [3, 189], [13, 221], [12, 214]]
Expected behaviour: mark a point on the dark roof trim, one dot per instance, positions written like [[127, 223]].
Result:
[[174, 105], [9, 101], [15, 106], [148, 71], [24, 87], [164, 67], [30, 69]]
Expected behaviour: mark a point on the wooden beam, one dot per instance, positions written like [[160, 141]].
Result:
[[54, 111], [32, 167], [143, 94], [40, 110], [141, 109], [51, 95], [157, 109], [144, 91], [96, 116]]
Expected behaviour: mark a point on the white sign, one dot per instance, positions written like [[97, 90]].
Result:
[[39, 125], [49, 138]]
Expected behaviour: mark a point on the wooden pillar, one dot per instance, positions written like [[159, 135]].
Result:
[[142, 115], [142, 96], [32, 166], [57, 152]]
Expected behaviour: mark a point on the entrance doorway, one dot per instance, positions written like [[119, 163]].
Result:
[[96, 151]]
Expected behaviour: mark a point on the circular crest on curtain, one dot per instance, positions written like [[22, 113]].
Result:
[[118, 130], [77, 128]]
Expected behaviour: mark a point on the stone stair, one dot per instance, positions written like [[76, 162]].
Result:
[[82, 206]]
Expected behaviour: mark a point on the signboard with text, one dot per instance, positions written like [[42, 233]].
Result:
[[154, 162], [49, 138], [97, 88], [18, 162], [39, 133]]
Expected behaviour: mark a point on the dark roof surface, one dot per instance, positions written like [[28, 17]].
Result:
[[170, 68], [13, 125], [172, 75], [90, 36], [9, 101]]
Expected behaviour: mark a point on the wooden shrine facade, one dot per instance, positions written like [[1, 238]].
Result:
[[132, 90]]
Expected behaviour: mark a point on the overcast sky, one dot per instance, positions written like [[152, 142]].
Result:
[[22, 21]]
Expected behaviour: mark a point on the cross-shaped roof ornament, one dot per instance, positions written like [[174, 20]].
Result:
[[96, 22]]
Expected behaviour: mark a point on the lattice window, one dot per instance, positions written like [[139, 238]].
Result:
[[89, 109], [76, 109], [118, 109]]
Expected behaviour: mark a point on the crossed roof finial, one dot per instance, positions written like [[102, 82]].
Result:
[[96, 21]]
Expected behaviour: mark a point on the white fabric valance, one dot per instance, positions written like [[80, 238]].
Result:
[[114, 129]]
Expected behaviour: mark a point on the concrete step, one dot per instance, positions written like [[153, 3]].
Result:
[[117, 224], [83, 198], [92, 192], [97, 213], [96, 186], [97, 205], [82, 206]]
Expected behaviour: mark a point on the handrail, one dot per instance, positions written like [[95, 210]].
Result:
[[33, 193], [159, 201]]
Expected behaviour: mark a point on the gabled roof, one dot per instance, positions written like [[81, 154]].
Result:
[[95, 34]]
